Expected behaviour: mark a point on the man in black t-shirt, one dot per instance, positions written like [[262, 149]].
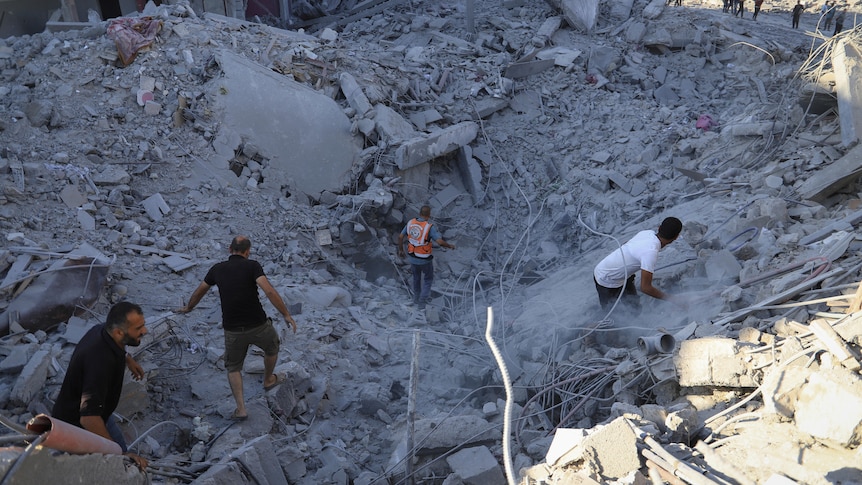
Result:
[[94, 380], [244, 320]]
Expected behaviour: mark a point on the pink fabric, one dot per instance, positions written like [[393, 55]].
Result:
[[132, 35], [704, 122]]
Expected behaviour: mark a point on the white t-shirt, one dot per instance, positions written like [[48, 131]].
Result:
[[640, 253]]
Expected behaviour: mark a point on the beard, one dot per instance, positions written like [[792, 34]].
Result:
[[130, 341]]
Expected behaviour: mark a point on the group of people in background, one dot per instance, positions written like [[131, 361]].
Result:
[[737, 8], [829, 12]]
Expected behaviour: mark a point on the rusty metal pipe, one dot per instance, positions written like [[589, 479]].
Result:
[[62, 436]]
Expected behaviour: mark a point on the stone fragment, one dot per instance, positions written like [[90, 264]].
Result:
[[840, 390], [17, 359], [32, 378], [716, 362], [423, 149], [87, 221], [353, 92], [476, 466], [112, 175], [156, 206]]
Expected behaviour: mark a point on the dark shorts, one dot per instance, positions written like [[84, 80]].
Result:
[[236, 344]]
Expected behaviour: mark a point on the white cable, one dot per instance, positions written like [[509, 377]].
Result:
[[507, 414]]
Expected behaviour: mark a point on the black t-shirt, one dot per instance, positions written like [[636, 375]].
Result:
[[236, 279], [94, 380]]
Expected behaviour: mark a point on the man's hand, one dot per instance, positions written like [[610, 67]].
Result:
[[139, 460], [289, 319], [135, 368], [184, 309]]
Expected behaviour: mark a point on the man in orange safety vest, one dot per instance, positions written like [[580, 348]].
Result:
[[419, 233]]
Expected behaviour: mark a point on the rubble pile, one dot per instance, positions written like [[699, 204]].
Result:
[[539, 146]]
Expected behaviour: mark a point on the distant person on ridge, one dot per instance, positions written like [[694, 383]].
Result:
[[797, 12], [839, 21], [757, 5], [419, 233], [616, 273]]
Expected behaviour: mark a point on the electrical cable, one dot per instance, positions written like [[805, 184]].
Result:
[[507, 415]]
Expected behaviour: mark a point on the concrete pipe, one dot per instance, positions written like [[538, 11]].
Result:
[[67, 437], [662, 343]]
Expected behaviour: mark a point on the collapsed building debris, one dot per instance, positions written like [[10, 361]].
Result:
[[530, 139]]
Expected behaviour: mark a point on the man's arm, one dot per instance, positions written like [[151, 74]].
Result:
[[401, 244], [444, 244], [199, 293], [647, 287], [135, 368], [275, 299]]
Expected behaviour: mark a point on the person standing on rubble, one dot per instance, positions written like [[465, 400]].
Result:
[[757, 5], [797, 12], [839, 20], [420, 233], [243, 317], [615, 274], [830, 14], [94, 380]]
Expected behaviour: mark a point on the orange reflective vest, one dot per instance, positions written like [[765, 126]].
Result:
[[418, 239]]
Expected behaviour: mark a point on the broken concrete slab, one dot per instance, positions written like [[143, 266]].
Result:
[[66, 469], [439, 143], [716, 361], [833, 177], [580, 14], [353, 92], [156, 206], [391, 126], [847, 62], [476, 466], [32, 378], [843, 390], [306, 136]]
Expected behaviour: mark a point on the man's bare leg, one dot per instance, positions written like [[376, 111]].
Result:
[[268, 368], [235, 381]]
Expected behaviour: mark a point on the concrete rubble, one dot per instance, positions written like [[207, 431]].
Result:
[[534, 131]]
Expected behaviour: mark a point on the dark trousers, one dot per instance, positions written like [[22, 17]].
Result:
[[756, 11], [422, 273], [607, 296], [116, 433]]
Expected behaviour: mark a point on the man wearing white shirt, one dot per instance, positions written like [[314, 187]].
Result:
[[616, 273]]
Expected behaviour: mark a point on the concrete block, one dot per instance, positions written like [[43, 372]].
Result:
[[612, 450], [45, 465], [471, 173], [841, 391], [353, 92], [722, 267], [260, 461], [391, 126], [476, 466], [566, 446], [32, 378], [87, 221], [781, 389], [17, 359], [156, 206], [715, 362], [423, 149], [112, 175]]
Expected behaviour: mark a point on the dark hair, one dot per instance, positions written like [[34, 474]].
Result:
[[670, 228], [425, 211], [117, 315], [240, 244]]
